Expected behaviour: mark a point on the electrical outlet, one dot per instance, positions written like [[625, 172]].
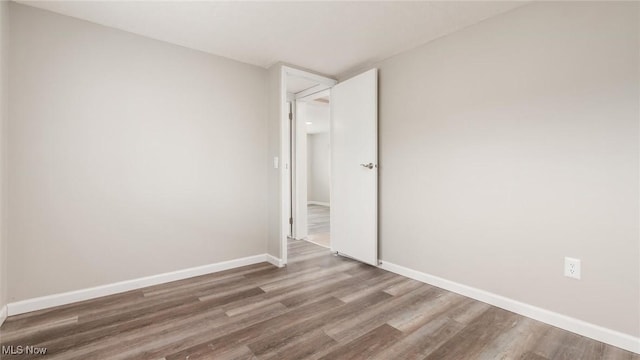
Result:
[[572, 268]]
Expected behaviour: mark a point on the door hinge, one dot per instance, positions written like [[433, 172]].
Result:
[[290, 221], [290, 116]]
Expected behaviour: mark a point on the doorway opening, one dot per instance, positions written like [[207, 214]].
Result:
[[314, 112], [353, 144], [308, 104]]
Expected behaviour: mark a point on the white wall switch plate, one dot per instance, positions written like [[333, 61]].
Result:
[[276, 162], [572, 268]]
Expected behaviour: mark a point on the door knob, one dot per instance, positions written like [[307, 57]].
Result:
[[368, 166]]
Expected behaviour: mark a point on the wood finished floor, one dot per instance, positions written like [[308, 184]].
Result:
[[319, 307], [318, 226]]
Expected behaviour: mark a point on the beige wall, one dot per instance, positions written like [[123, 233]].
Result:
[[318, 151], [513, 143], [128, 156], [4, 94]]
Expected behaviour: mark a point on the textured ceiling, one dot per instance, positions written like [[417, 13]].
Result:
[[332, 38]]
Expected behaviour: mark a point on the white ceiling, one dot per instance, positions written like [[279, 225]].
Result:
[[318, 115], [317, 112], [333, 38]]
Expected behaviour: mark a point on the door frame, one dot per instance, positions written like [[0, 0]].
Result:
[[287, 150]]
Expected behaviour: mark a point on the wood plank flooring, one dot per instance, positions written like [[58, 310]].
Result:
[[318, 307], [318, 226]]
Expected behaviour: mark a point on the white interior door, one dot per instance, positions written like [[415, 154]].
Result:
[[354, 167]]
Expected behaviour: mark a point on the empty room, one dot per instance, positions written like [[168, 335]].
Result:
[[320, 180]]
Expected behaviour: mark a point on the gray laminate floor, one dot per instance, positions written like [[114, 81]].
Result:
[[318, 307], [318, 224]]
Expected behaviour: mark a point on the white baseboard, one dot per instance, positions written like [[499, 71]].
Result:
[[44, 302], [275, 261], [3, 314], [318, 203], [596, 332]]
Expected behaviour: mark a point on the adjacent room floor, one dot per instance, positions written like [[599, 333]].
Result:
[[318, 224], [319, 306]]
